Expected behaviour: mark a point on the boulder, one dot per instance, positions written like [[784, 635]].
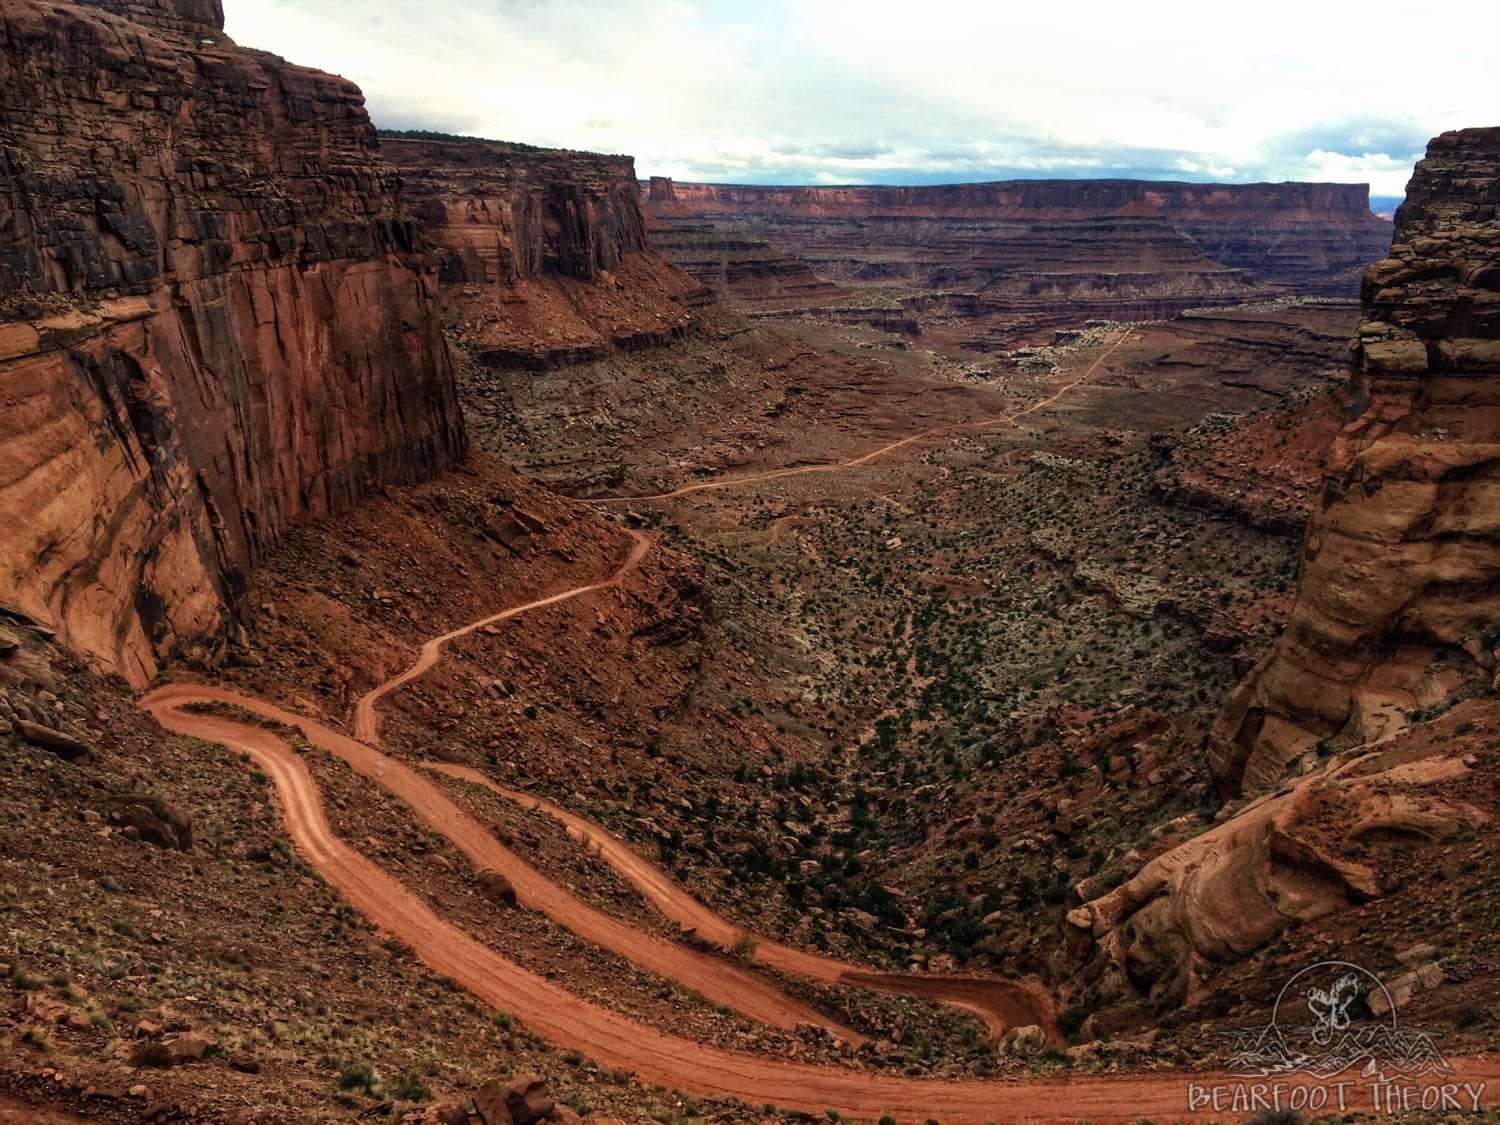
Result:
[[1023, 1041], [529, 1099], [497, 886], [65, 746], [489, 1103], [188, 1047], [153, 819]]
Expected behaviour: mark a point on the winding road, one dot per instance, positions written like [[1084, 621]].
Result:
[[614, 1040], [1001, 1004], [839, 466]]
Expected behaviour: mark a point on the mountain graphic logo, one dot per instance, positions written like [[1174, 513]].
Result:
[[1325, 1025]]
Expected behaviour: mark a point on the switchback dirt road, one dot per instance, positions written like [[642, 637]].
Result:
[[613, 1040], [1001, 1004]]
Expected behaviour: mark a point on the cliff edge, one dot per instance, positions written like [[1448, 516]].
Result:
[[215, 320], [1399, 598]]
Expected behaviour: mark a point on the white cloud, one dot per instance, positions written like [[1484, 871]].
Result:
[[870, 89]]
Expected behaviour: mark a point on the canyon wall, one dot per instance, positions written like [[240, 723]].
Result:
[[1399, 597], [1032, 255], [544, 256], [215, 320]]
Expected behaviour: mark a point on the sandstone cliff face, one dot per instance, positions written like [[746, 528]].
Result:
[[214, 320], [1037, 254], [1398, 608], [544, 254], [1399, 597]]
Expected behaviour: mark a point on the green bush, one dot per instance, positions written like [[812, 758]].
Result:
[[358, 1076]]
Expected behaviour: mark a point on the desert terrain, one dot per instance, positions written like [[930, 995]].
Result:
[[457, 665]]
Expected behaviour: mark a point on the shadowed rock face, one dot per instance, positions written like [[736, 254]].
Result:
[[168, 15], [214, 320], [1399, 598]]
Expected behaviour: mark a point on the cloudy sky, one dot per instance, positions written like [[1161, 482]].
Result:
[[864, 91]]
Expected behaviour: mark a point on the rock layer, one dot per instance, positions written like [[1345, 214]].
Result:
[[1037, 254], [544, 254], [215, 320], [1399, 597]]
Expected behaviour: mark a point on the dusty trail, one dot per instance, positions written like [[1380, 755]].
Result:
[[864, 459], [718, 980], [1001, 1004], [366, 721], [658, 1059], [611, 1039]]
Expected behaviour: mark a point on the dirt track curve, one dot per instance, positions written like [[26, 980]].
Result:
[[611, 1039], [864, 459], [614, 1041], [1001, 1004]]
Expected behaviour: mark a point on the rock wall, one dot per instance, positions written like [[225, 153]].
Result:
[[1039, 254], [215, 320], [544, 256], [1399, 597]]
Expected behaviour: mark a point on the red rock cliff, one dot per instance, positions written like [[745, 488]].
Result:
[[1399, 597], [544, 254], [1041, 253], [505, 213], [214, 320]]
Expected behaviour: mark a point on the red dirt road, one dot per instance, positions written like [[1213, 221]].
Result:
[[656, 1058], [1001, 1004], [609, 1038]]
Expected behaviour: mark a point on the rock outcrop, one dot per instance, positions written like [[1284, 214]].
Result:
[[1399, 596], [1289, 857], [1398, 608], [1034, 255], [544, 257], [215, 320]]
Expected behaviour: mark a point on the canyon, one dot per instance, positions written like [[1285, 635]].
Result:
[[1004, 263], [488, 638]]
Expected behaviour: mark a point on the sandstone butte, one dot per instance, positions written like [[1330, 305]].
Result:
[[543, 256], [1029, 254]]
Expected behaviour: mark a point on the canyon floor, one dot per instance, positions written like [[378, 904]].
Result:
[[813, 697]]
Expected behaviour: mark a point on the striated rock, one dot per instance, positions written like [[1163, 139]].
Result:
[[215, 320], [544, 258], [1399, 600], [1021, 257], [1281, 860]]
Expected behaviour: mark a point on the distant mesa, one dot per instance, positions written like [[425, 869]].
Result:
[[1016, 258]]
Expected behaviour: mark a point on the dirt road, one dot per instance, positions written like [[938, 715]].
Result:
[[1001, 1004], [865, 459], [614, 1041]]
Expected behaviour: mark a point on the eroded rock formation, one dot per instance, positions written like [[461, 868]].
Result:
[[544, 254], [1032, 255], [1399, 597], [1398, 608], [215, 320]]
